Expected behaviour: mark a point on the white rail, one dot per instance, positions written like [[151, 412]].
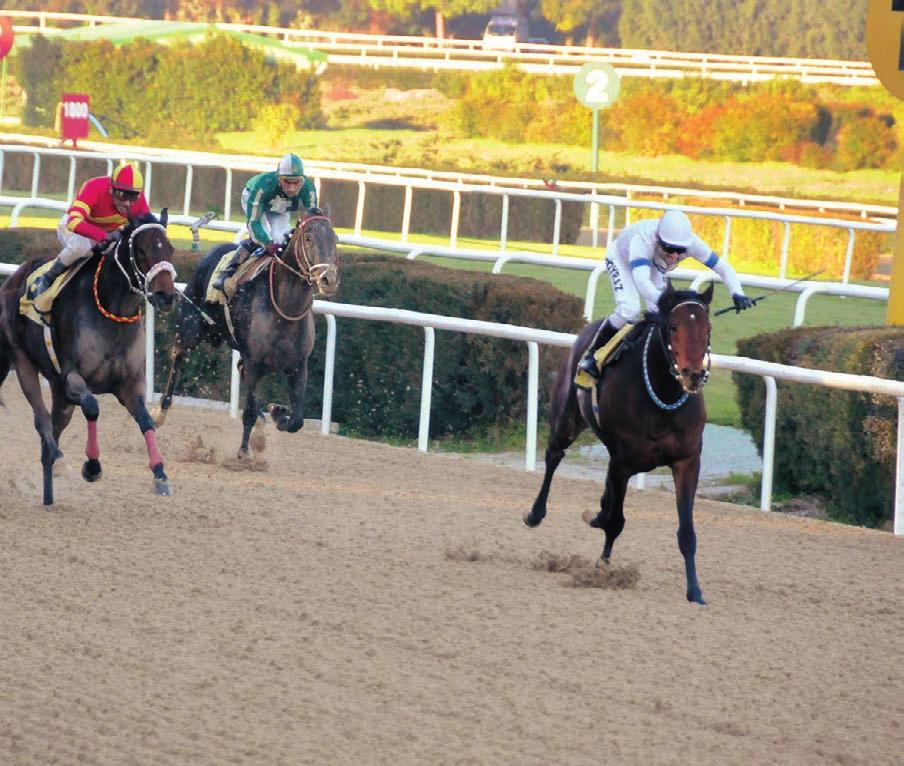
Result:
[[430, 53], [430, 322], [556, 199]]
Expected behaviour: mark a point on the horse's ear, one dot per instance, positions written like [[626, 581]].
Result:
[[707, 295], [326, 211], [164, 216]]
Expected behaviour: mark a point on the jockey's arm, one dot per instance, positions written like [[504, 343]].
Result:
[[726, 272], [641, 263], [77, 216], [256, 209], [308, 194]]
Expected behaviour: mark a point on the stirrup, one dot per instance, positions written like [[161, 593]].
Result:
[[584, 378]]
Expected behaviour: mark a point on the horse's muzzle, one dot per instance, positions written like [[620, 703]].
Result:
[[693, 382], [161, 301], [328, 281]]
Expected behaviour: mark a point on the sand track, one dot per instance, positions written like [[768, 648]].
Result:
[[359, 603]]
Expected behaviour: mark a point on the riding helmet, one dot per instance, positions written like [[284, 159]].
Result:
[[675, 229], [127, 177], [290, 166]]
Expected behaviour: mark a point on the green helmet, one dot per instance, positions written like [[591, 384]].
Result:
[[290, 166]]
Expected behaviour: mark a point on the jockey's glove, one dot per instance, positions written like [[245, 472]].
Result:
[[112, 238], [741, 302]]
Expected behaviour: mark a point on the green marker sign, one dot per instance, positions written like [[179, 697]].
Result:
[[596, 86]]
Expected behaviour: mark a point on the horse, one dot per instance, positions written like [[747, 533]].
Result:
[[269, 321], [647, 408], [97, 336]]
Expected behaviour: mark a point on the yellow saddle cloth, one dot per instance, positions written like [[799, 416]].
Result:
[[602, 354], [246, 272], [38, 310]]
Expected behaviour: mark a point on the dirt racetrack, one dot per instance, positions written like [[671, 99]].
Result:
[[354, 603]]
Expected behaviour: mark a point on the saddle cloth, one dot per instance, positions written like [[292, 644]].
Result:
[[38, 310], [602, 356], [245, 273]]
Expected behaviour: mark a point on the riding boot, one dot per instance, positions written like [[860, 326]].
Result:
[[588, 364], [238, 259], [45, 280]]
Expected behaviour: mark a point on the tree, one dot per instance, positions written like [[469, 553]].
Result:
[[442, 9], [596, 19]]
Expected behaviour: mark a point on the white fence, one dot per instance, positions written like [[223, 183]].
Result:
[[594, 201], [430, 53], [770, 372]]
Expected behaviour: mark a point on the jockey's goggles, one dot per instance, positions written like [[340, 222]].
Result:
[[126, 195], [672, 249], [292, 179]]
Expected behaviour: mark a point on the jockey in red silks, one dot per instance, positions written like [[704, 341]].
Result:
[[101, 207]]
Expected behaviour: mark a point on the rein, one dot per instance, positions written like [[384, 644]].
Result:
[[306, 271]]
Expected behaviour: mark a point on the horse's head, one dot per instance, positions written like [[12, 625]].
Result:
[[145, 253], [685, 330], [313, 246]]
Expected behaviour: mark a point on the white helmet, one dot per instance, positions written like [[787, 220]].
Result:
[[675, 229]]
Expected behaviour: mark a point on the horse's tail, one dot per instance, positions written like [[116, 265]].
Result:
[[6, 355]]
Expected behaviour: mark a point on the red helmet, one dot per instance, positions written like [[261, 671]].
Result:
[[127, 178]]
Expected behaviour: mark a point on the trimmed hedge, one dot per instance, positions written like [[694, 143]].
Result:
[[840, 444]]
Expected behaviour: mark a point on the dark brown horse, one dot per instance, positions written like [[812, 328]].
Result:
[[648, 413], [271, 322], [97, 331]]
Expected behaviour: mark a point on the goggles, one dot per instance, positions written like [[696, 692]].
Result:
[[291, 179], [672, 249], [125, 195]]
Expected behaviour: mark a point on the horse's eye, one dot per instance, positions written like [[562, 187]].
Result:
[[673, 327]]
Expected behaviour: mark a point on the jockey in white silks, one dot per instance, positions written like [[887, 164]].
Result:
[[638, 263]]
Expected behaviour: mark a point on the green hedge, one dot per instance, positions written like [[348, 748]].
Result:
[[840, 444]]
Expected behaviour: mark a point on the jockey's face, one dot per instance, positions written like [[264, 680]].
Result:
[[290, 185], [670, 255], [123, 201]]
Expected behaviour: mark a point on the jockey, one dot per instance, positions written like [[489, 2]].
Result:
[[267, 200], [638, 262], [100, 208]]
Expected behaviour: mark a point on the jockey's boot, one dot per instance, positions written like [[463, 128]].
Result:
[[238, 258], [45, 280], [588, 364]]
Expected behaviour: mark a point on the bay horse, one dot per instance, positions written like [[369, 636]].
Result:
[[98, 336], [270, 320], [647, 409]]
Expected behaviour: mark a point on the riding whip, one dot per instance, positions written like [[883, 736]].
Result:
[[756, 300], [202, 221]]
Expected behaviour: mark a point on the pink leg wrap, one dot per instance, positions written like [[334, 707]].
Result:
[[154, 456], [92, 449]]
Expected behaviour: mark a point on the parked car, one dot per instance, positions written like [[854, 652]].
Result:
[[505, 32]]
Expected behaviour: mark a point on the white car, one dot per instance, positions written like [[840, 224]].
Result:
[[505, 32]]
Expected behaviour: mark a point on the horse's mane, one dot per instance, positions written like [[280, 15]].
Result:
[[667, 301]]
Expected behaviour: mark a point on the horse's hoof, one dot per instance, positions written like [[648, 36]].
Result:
[[242, 454], [91, 470], [589, 517], [159, 416], [530, 520], [695, 596], [162, 487]]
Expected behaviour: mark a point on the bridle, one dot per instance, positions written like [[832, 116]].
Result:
[[143, 280], [665, 340], [308, 272]]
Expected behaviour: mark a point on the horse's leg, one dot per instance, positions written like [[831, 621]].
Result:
[[131, 396], [686, 474], [50, 452], [252, 412], [76, 392], [292, 420], [187, 337], [566, 424], [611, 518]]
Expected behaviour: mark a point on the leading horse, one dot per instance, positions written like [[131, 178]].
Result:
[[269, 320], [97, 344], [647, 409]]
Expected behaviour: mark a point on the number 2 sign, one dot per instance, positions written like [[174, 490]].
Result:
[[596, 85]]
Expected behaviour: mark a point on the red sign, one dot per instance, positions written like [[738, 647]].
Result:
[[74, 109], [6, 36]]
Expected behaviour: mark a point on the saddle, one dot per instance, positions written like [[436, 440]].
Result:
[[245, 273], [607, 353], [38, 310]]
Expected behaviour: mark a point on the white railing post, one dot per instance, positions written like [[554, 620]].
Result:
[[899, 472], [848, 257], [148, 178], [329, 367], [557, 228], [533, 377], [70, 186], [149, 346], [423, 431], [227, 199], [594, 223], [234, 382], [35, 174], [768, 442], [503, 226], [2, 157], [406, 212], [359, 208], [186, 201], [456, 214]]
